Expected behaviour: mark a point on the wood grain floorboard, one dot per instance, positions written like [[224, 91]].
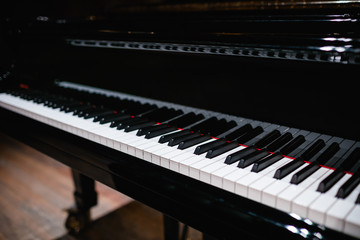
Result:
[[35, 191]]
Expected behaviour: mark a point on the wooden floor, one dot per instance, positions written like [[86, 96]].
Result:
[[35, 191]]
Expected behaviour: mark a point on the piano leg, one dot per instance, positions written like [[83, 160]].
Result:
[[171, 228], [208, 237], [85, 198]]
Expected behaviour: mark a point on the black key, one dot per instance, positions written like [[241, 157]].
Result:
[[158, 132], [313, 149], [291, 146], [71, 108], [124, 106], [312, 167], [136, 126], [349, 186], [304, 173], [239, 132], [330, 180], [100, 116], [221, 149], [161, 114], [179, 139], [351, 161], [214, 126], [352, 165], [58, 104], [345, 147], [291, 166], [114, 118], [78, 109], [98, 113], [136, 108], [358, 199], [232, 158], [154, 113], [288, 168], [328, 154], [206, 126], [168, 137], [137, 120], [223, 128], [121, 120], [265, 162], [126, 122], [267, 139], [83, 112], [207, 146], [186, 120], [193, 141], [170, 114], [146, 130], [253, 157], [281, 141], [67, 106], [250, 135], [50, 101]]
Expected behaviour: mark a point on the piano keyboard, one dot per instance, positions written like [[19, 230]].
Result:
[[307, 174]]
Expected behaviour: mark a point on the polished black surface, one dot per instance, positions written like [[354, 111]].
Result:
[[316, 96], [285, 62]]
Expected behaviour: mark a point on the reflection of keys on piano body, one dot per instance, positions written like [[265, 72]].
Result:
[[309, 174]]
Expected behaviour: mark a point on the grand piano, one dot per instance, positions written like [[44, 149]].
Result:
[[237, 118]]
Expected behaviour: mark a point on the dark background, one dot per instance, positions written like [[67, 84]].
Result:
[[320, 97]]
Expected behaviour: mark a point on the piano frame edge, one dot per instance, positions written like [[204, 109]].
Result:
[[209, 209]]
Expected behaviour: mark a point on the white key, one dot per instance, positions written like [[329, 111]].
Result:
[[264, 179], [270, 193], [120, 139], [184, 166], [301, 203], [317, 210], [154, 140], [102, 132], [167, 158], [148, 143], [139, 152], [285, 198], [352, 222], [158, 152], [335, 216], [116, 140], [131, 149], [206, 171], [174, 163], [218, 175], [200, 168], [229, 180], [153, 149]]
